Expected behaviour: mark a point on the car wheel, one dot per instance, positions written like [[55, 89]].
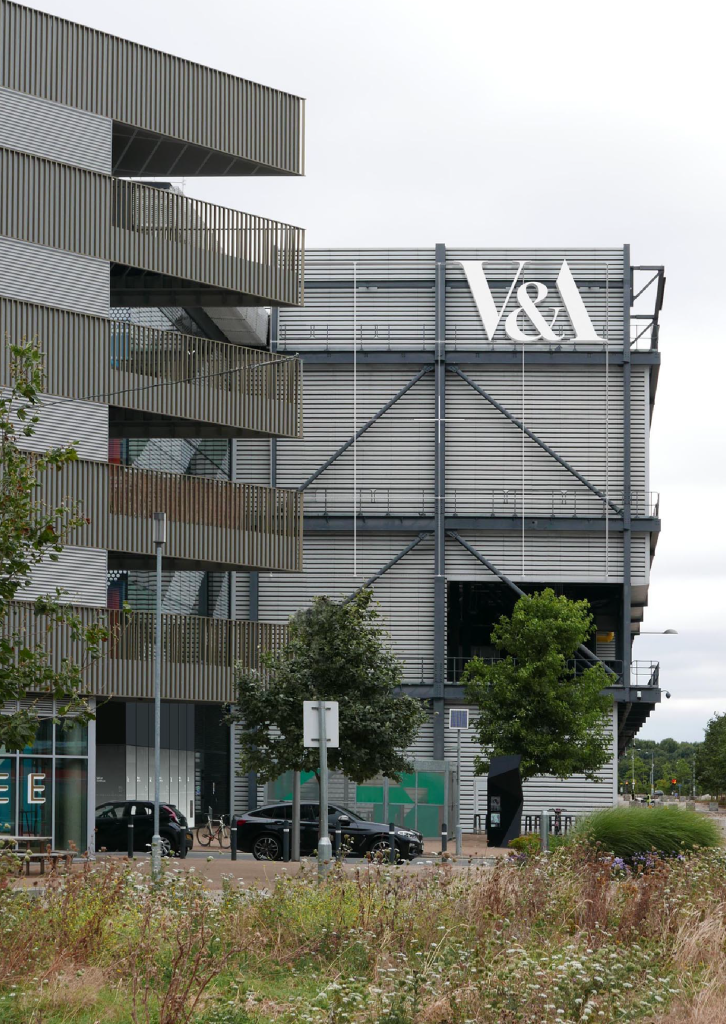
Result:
[[267, 847], [380, 849], [166, 848]]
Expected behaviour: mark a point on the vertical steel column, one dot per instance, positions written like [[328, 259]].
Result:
[[627, 474], [274, 334], [254, 614], [440, 502]]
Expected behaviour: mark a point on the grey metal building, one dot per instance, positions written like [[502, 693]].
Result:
[[152, 310], [476, 420]]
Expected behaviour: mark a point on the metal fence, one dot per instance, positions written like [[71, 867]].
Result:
[[212, 523], [151, 229], [158, 372], [199, 654]]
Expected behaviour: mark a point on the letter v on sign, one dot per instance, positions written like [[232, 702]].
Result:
[[491, 316]]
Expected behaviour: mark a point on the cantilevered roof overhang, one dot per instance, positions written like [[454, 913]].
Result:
[[170, 116]]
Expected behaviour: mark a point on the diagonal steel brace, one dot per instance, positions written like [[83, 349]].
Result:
[[505, 579], [550, 451], [362, 430], [388, 565]]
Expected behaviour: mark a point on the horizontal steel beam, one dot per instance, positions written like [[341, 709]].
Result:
[[413, 523], [495, 357]]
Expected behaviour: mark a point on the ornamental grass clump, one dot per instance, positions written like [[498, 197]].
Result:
[[629, 831]]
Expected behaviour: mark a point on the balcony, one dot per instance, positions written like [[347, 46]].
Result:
[[169, 116], [199, 654], [159, 383], [164, 248], [212, 524]]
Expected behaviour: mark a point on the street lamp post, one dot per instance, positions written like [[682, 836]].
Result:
[[159, 542]]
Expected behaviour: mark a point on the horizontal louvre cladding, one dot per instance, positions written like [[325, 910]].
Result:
[[150, 90], [54, 130], [241, 595], [598, 274], [154, 371], [394, 301], [210, 521], [251, 461], [35, 273], [63, 423], [405, 592], [151, 229], [397, 451], [79, 572], [576, 795], [546, 556], [199, 654], [488, 458]]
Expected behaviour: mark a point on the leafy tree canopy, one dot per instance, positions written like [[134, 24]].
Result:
[[336, 651], [711, 756], [30, 532], [533, 702]]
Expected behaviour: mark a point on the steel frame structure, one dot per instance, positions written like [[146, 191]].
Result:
[[439, 525]]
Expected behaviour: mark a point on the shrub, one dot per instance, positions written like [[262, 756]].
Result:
[[527, 844], [626, 831]]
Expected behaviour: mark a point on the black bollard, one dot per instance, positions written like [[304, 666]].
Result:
[[286, 843], [233, 841], [444, 837], [392, 842], [130, 840], [183, 845], [337, 842]]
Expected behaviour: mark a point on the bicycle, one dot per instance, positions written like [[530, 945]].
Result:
[[214, 828]]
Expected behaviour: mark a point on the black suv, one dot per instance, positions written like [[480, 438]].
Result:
[[113, 819], [259, 832]]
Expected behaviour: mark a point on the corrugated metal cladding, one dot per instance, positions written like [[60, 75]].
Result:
[[395, 455], [394, 301], [578, 411], [577, 795], [405, 592], [54, 130], [251, 462], [79, 572], [151, 90], [548, 556], [36, 273], [597, 272], [63, 423]]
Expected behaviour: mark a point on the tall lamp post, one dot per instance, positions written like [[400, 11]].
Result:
[[159, 542]]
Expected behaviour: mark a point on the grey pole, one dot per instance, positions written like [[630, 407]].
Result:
[[544, 831], [295, 844], [325, 849], [159, 541], [458, 792]]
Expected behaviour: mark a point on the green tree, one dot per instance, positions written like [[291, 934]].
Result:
[[30, 532], [336, 651], [532, 703], [711, 757]]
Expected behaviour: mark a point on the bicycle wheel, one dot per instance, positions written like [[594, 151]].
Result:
[[225, 837], [204, 835]]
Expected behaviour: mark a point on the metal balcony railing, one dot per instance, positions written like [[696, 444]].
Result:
[[500, 501], [179, 244], [158, 372], [455, 667], [212, 523], [199, 654]]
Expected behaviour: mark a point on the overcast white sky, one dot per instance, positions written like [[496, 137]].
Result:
[[482, 124]]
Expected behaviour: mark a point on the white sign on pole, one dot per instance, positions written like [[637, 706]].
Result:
[[311, 724]]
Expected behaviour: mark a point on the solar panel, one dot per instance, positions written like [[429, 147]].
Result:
[[458, 718]]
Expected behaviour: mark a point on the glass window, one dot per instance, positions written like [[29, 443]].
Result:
[[308, 812], [108, 811], [36, 797], [43, 743], [71, 804], [7, 796], [281, 811], [71, 738]]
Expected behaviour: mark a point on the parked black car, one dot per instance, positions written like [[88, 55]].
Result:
[[259, 832], [112, 821]]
